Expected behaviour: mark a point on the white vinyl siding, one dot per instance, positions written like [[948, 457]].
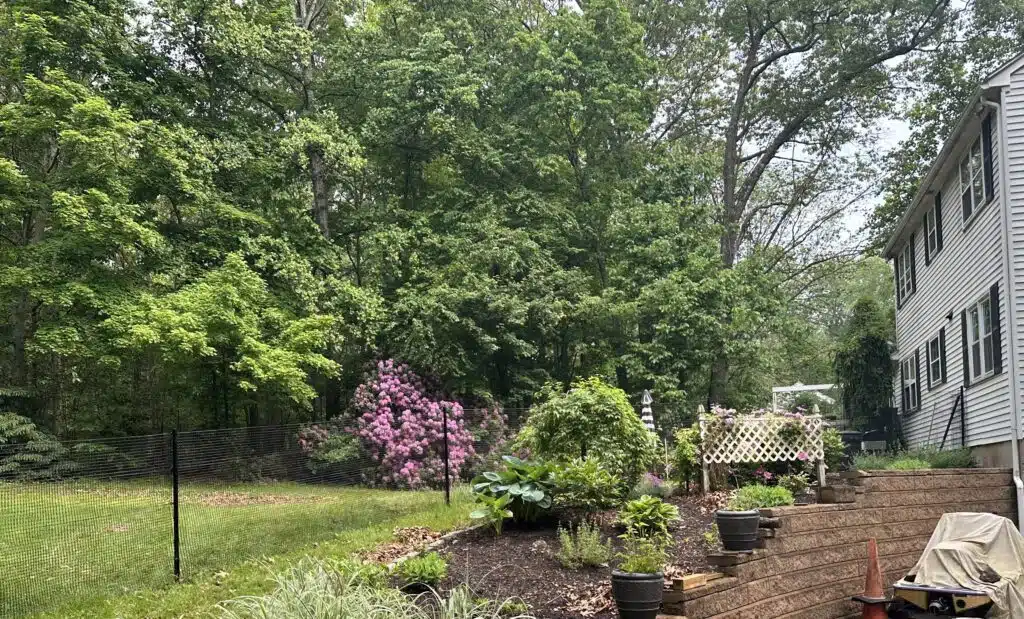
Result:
[[1013, 107], [971, 264]]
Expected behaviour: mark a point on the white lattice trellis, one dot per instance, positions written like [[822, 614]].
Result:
[[755, 438]]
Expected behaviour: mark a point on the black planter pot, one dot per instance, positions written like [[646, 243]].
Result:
[[738, 530], [637, 596]]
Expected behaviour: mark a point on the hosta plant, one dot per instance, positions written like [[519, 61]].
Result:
[[648, 516], [528, 485], [427, 569], [492, 510]]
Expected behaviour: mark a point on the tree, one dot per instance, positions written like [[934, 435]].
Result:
[[804, 80], [863, 364]]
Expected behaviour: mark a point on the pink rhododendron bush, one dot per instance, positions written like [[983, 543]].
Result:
[[400, 425]]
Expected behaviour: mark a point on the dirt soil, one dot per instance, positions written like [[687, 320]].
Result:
[[522, 564]]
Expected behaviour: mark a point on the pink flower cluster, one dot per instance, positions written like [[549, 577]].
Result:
[[400, 425]]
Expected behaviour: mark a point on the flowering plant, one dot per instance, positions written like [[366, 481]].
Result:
[[400, 426], [793, 429]]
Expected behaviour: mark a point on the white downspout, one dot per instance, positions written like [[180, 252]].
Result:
[[1010, 287]]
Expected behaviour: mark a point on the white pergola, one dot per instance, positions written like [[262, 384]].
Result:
[[799, 388]]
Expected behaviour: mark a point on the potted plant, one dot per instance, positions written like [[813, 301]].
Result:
[[738, 522], [639, 581]]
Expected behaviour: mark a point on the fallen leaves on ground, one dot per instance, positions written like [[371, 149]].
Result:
[[407, 540], [589, 601]]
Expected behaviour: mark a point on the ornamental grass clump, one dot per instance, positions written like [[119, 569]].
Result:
[[400, 426]]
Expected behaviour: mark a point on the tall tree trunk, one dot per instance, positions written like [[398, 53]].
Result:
[[321, 188], [20, 314]]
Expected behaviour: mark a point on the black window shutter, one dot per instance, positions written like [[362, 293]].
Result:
[[942, 352], [913, 266], [997, 332], [963, 341], [938, 220], [986, 153], [917, 377], [927, 250], [903, 389]]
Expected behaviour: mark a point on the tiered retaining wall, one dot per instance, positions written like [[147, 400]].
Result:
[[814, 557]]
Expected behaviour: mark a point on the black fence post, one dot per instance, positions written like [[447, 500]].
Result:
[[174, 505], [447, 472]]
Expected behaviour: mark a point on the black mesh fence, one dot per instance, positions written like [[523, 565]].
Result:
[[91, 519]]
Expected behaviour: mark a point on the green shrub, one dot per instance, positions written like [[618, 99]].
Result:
[[925, 458], [492, 511], [592, 420], [583, 547], [28, 453], [835, 448], [528, 484], [757, 496], [427, 569], [652, 485], [584, 485], [906, 463], [648, 516], [871, 462], [950, 459], [796, 483], [686, 456], [642, 554]]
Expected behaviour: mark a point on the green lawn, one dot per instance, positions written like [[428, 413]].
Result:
[[104, 550]]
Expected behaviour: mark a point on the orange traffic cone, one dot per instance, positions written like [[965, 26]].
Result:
[[874, 599]]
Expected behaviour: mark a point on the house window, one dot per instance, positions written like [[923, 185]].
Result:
[[909, 374], [933, 230], [936, 359], [931, 233], [972, 180], [980, 343], [905, 272]]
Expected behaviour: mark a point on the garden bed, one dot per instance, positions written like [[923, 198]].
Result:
[[521, 563]]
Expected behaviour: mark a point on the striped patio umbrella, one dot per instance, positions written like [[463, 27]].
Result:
[[646, 414]]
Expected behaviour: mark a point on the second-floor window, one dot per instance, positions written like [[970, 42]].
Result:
[[933, 230], [972, 180], [905, 272], [980, 344]]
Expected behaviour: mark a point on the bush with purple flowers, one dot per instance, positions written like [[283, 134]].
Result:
[[400, 427]]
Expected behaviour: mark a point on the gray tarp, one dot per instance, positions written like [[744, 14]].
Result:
[[966, 545]]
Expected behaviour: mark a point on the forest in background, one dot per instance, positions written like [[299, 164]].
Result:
[[217, 213]]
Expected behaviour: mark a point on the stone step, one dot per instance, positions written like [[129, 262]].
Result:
[[828, 597], [786, 542], [801, 523], [772, 565], [901, 498], [793, 581]]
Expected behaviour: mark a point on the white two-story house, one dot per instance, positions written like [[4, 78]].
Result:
[[958, 255]]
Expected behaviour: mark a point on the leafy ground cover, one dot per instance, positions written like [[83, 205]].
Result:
[[107, 552], [523, 563]]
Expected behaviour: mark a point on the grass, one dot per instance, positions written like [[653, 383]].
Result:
[[104, 550], [915, 460]]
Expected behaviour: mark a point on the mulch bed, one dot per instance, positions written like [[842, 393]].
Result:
[[521, 564]]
